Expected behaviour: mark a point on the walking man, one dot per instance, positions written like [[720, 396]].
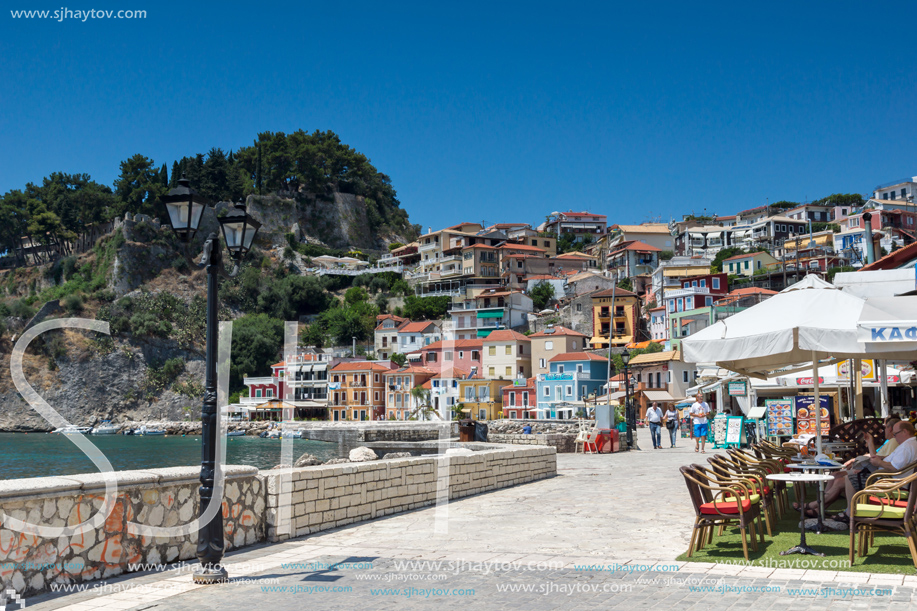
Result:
[[654, 417], [699, 411]]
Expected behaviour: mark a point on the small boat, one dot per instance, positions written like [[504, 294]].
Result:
[[292, 435], [275, 434], [145, 431], [106, 428], [74, 430], [235, 434]]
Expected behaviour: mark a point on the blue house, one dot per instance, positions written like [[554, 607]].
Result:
[[572, 377]]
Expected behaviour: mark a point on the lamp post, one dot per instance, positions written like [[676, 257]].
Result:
[[629, 416], [185, 209]]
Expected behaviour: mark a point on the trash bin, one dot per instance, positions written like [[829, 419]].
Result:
[[480, 432], [466, 430]]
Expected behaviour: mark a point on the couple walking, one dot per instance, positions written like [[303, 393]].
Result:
[[655, 417]]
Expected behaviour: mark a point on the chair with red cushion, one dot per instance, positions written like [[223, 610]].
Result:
[[720, 505], [726, 472]]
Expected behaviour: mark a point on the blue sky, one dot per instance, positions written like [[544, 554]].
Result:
[[484, 111]]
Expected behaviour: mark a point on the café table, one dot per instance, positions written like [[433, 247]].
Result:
[[814, 467], [801, 479]]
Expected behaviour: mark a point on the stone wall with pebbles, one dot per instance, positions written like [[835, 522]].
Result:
[[311, 499], [154, 497]]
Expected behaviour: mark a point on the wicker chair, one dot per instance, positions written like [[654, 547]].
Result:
[[726, 472], [883, 508], [720, 505]]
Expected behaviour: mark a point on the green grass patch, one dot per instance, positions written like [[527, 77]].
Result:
[[889, 554]]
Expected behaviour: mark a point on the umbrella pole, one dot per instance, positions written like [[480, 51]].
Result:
[[817, 406]]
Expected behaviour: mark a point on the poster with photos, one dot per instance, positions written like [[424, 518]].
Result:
[[779, 417]]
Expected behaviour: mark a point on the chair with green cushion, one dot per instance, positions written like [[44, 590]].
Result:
[[877, 508]]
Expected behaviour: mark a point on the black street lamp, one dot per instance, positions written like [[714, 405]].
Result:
[[185, 209], [630, 418]]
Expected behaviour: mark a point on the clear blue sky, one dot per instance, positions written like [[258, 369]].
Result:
[[491, 111]]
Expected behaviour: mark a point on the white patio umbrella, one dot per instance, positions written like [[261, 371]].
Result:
[[808, 322]]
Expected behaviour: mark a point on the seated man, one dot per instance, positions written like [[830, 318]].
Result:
[[837, 486], [904, 454]]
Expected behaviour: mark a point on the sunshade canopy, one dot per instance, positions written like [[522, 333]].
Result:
[[808, 320]]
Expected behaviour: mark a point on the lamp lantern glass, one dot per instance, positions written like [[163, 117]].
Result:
[[185, 208], [239, 231], [625, 357]]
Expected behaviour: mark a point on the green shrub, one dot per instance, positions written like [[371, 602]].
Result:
[[4, 310], [148, 323], [180, 264], [20, 309], [73, 303]]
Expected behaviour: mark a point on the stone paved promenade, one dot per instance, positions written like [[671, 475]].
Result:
[[536, 546]]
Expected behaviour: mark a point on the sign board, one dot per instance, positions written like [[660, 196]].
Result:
[[738, 388], [734, 430], [883, 333], [867, 370], [805, 414], [810, 381], [558, 376], [779, 417]]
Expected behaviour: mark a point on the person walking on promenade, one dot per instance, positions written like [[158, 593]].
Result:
[[654, 417], [671, 423], [699, 411]]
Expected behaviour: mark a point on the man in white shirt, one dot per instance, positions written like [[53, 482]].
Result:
[[654, 418], [699, 411], [903, 455]]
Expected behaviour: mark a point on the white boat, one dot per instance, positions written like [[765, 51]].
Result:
[[106, 428], [144, 430], [74, 430], [235, 434]]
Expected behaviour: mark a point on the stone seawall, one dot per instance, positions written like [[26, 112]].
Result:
[[154, 497], [311, 499], [269, 505]]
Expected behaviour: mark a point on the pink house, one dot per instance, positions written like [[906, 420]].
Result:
[[461, 353]]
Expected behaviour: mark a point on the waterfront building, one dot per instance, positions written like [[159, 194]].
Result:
[[507, 355], [412, 336], [746, 264], [487, 310], [553, 341], [357, 390], [301, 382], [401, 403], [482, 399], [519, 399], [572, 378], [661, 377], [463, 354]]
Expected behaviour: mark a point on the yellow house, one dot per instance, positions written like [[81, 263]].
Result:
[[618, 321], [748, 263], [482, 399]]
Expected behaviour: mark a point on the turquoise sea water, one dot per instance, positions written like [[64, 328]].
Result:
[[44, 454]]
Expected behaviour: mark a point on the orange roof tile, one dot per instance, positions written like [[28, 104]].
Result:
[[505, 335], [280, 364], [637, 245], [416, 327], [618, 292], [754, 290], [558, 331]]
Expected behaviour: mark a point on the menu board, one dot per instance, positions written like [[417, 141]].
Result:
[[779, 417], [719, 430], [734, 429], [805, 414]]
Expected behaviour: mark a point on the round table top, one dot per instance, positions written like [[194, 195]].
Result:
[[816, 466], [800, 477]]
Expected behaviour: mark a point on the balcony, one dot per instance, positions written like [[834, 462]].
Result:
[[451, 272], [450, 258], [428, 247], [687, 292]]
